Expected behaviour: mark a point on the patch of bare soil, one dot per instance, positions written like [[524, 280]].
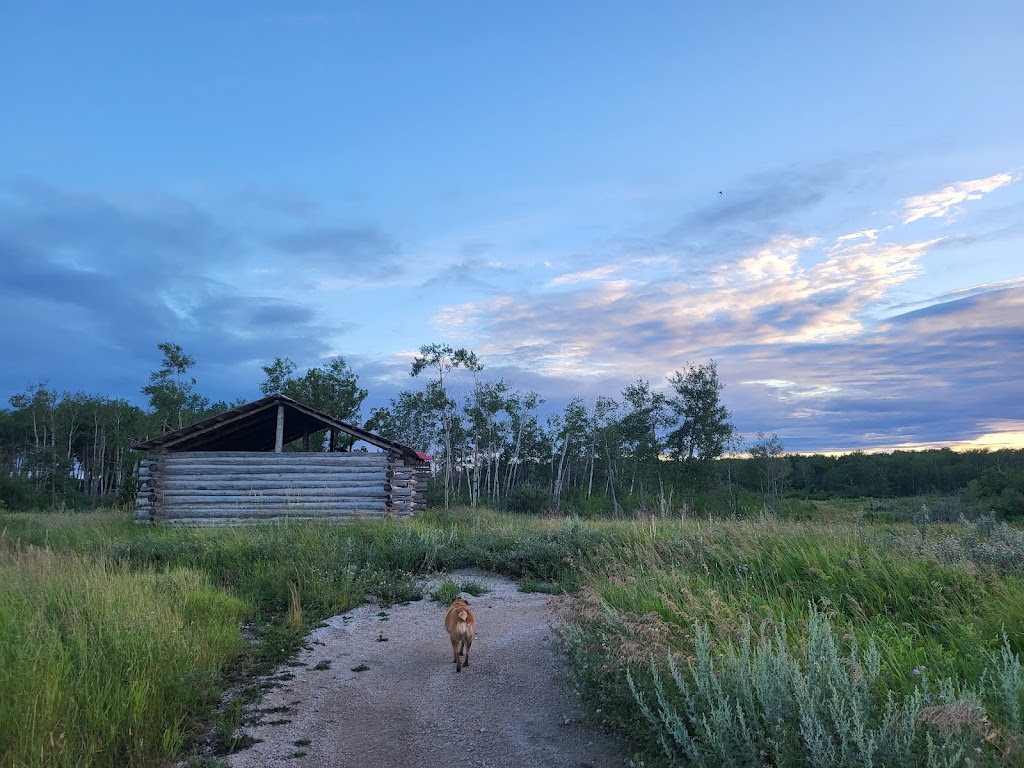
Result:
[[379, 688]]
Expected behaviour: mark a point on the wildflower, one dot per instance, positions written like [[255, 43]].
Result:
[[917, 670], [780, 720]]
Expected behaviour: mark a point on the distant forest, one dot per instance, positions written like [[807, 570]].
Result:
[[643, 451]]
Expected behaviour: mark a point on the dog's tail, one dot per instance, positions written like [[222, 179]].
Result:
[[463, 615]]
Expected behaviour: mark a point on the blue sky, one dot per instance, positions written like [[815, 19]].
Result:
[[826, 199]]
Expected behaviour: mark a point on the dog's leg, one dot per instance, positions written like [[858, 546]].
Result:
[[455, 650], [458, 654], [467, 643]]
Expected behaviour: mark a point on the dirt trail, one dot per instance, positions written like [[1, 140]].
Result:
[[511, 707]]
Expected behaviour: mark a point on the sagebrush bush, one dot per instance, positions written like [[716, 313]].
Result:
[[983, 542], [760, 702], [923, 618]]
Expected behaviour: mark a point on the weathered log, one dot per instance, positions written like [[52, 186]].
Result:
[[265, 512], [251, 491], [227, 460], [245, 457], [222, 522], [279, 432], [262, 468], [262, 510], [270, 504], [253, 503], [264, 499], [256, 482]]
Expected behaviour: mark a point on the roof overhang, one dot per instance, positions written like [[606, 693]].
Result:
[[253, 427]]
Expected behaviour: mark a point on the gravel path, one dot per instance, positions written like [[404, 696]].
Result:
[[512, 707]]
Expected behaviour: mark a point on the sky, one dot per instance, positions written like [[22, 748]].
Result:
[[826, 199]]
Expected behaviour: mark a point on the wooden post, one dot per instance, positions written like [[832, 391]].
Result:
[[334, 441], [279, 440], [305, 441]]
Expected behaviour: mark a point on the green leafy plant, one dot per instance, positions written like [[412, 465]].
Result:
[[446, 592], [474, 588]]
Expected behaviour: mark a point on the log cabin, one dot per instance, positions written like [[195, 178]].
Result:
[[233, 468]]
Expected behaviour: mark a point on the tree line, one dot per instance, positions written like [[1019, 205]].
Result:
[[646, 449]]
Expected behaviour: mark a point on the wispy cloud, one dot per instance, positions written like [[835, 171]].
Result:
[[109, 278], [796, 322], [789, 290], [946, 202], [597, 273]]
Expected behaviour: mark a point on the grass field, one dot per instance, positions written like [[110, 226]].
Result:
[[705, 642]]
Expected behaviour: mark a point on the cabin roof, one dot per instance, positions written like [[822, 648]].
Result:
[[253, 427]]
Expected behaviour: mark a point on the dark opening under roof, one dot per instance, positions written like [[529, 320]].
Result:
[[253, 427]]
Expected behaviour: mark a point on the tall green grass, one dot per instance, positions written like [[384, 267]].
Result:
[[940, 608], [672, 592], [100, 666]]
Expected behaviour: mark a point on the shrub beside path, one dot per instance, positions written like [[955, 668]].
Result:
[[406, 706]]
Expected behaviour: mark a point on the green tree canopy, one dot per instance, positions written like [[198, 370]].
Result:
[[171, 391], [703, 429], [332, 388]]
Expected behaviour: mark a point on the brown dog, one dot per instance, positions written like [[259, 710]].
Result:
[[460, 621]]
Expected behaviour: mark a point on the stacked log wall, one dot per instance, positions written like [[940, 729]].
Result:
[[422, 477], [229, 487], [403, 487], [149, 476]]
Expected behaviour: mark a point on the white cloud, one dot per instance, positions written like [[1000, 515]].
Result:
[[771, 383], [588, 275], [947, 200], [645, 311], [871, 235], [791, 390], [778, 259]]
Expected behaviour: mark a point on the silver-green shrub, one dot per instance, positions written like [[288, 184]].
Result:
[[757, 703], [985, 542]]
